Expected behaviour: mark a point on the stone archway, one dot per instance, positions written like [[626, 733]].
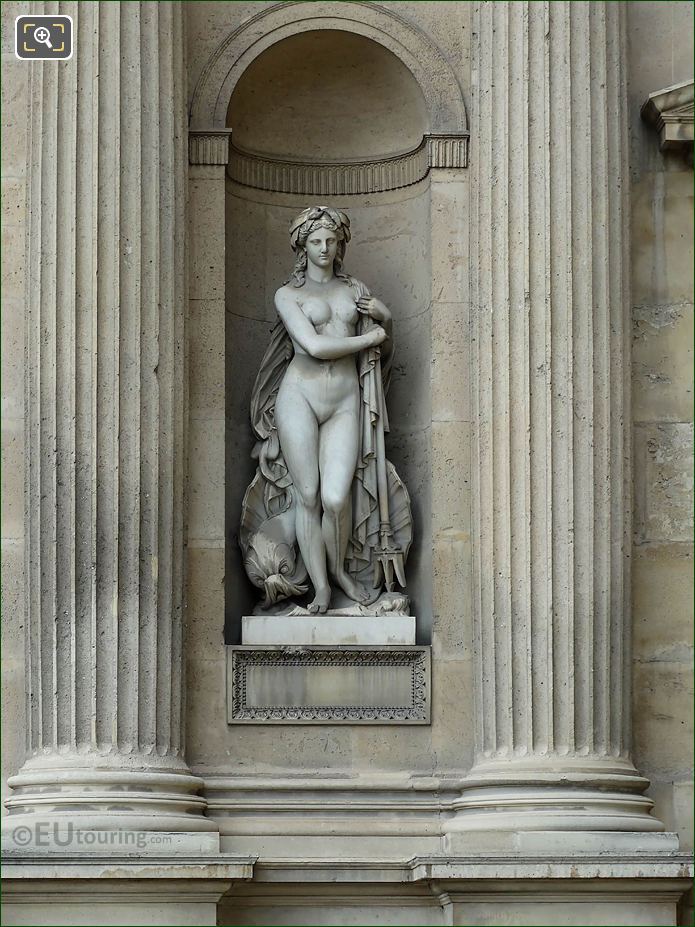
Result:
[[434, 74]]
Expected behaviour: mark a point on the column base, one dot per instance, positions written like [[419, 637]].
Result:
[[114, 805], [549, 794]]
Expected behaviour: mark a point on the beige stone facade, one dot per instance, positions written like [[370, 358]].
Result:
[[519, 180]]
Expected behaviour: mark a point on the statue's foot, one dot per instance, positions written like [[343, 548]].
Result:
[[321, 601], [356, 591]]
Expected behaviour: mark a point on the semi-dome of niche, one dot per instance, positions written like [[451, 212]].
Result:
[[327, 95]]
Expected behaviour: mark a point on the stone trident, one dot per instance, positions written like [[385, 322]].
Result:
[[388, 558]]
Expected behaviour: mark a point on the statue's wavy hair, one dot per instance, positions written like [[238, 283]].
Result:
[[306, 222]]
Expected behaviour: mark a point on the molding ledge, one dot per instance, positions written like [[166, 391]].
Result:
[[349, 177], [209, 147], [346, 806], [670, 112], [146, 890]]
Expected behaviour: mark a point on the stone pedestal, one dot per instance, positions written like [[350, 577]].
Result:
[[102, 891], [583, 891], [552, 454], [336, 630], [328, 669], [106, 442]]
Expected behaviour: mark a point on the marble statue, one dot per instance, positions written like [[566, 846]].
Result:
[[326, 522]]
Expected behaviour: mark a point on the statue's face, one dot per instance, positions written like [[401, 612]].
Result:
[[321, 246]]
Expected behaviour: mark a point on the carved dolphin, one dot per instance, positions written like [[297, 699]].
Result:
[[269, 545]]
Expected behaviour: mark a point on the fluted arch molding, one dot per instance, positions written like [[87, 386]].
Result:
[[423, 58]]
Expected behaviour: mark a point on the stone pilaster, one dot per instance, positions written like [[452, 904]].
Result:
[[551, 403], [105, 429]]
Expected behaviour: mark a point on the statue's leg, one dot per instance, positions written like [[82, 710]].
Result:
[[299, 439], [338, 451]]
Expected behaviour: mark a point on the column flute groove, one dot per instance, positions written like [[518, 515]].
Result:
[[551, 400], [105, 431]]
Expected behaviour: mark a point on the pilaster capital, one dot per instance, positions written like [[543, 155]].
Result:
[[209, 146]]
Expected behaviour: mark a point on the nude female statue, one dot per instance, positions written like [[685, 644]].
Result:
[[317, 406], [313, 412]]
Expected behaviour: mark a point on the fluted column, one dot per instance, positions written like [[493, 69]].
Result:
[[551, 366], [105, 398]]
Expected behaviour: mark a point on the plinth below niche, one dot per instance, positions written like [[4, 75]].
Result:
[[284, 677]]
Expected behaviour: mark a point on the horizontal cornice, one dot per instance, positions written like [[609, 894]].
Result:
[[671, 112], [375, 175]]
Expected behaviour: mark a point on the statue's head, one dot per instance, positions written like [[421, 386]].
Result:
[[306, 223]]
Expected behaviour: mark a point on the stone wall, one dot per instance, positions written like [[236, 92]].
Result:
[[400, 785], [662, 382]]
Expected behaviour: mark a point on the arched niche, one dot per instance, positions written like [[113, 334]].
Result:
[[403, 187], [327, 96], [330, 98], [431, 71]]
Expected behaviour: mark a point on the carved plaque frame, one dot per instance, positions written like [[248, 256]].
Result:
[[410, 662]]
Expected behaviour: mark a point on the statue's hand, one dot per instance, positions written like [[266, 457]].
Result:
[[377, 336], [374, 308]]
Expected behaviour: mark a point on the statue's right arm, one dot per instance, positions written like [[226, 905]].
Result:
[[322, 347]]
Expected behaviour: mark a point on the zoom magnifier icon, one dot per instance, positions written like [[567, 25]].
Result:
[[43, 38], [43, 35]]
